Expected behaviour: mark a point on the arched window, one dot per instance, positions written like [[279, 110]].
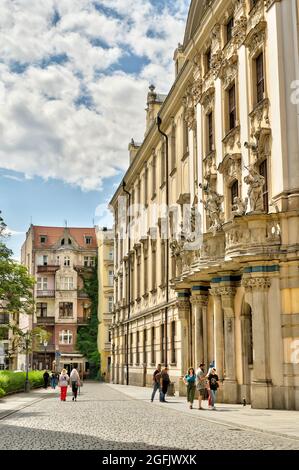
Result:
[[62, 242]]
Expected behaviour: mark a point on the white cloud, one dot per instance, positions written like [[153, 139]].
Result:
[[65, 113]]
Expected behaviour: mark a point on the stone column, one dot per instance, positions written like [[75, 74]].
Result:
[[230, 391], [183, 306], [199, 303], [256, 295], [218, 332]]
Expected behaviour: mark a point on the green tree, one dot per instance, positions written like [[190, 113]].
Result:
[[87, 336], [16, 285]]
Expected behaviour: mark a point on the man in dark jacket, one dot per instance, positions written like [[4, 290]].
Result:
[[46, 379], [156, 381]]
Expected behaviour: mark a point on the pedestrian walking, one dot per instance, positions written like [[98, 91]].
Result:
[[211, 366], [190, 381], [75, 382], [46, 379], [63, 384], [214, 385], [53, 381], [201, 384], [156, 381], [164, 382]]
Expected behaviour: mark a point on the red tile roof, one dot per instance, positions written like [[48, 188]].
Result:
[[55, 234]]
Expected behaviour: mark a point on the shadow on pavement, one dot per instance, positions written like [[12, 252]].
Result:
[[22, 438]]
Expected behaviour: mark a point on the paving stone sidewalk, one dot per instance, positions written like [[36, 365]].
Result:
[[280, 422], [106, 417]]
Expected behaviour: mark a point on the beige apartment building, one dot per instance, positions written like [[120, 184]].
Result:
[[59, 258], [105, 240], [218, 281]]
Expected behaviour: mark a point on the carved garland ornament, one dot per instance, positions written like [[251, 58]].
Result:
[[256, 283]]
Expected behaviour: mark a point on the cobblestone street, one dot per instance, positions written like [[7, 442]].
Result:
[[105, 418]]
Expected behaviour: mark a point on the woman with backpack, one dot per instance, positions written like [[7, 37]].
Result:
[[63, 384]]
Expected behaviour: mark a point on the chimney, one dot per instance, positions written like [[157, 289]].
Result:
[[133, 149]]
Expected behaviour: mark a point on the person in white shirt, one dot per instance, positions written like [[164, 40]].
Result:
[[75, 382]]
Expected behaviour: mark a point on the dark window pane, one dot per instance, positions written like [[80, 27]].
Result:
[[260, 83], [264, 172], [229, 29], [232, 107], [234, 190]]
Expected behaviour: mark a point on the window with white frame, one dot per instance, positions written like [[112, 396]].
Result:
[[89, 261], [67, 283], [45, 260], [111, 254], [42, 283], [67, 261], [65, 337], [88, 240], [110, 304], [110, 278]]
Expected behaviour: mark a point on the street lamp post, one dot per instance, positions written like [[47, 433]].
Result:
[[45, 346], [27, 383]]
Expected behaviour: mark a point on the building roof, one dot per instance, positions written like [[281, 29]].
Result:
[[195, 15], [55, 234]]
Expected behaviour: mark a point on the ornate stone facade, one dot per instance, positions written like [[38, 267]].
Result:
[[233, 142]]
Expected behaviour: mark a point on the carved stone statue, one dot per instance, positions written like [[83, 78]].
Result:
[[239, 206], [255, 192], [213, 207]]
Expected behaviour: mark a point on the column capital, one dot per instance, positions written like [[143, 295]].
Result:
[[223, 291], [201, 300], [215, 291], [258, 283]]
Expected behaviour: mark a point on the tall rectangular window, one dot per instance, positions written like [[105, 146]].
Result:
[[144, 346], [153, 353], [41, 309], [232, 107], [154, 268], [131, 348], [210, 132], [67, 261], [260, 80], [145, 275], [42, 283], [229, 29], [173, 148], [67, 283], [146, 186], [65, 309], [234, 191], [264, 172], [162, 342], [137, 349], [110, 304], [163, 262], [172, 339], [208, 57], [45, 260], [110, 278]]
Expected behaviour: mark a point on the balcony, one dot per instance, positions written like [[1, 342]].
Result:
[[82, 294], [84, 269], [45, 320], [45, 293], [50, 268]]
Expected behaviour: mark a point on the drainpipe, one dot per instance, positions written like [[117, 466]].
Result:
[[129, 285], [159, 122]]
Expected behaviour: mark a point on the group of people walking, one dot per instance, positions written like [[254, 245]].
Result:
[[63, 381], [206, 384]]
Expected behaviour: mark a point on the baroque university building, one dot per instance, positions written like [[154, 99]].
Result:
[[224, 286]]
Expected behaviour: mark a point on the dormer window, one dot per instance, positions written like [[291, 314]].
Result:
[[69, 241], [62, 242], [43, 238], [88, 240]]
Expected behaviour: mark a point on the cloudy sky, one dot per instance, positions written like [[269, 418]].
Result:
[[74, 75]]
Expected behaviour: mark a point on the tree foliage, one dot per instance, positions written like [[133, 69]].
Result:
[[87, 336], [16, 285]]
